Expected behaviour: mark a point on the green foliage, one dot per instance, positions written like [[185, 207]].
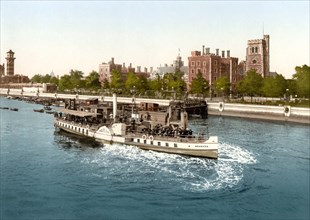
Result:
[[174, 82], [302, 77], [199, 85], [37, 78], [65, 83], [251, 84], [76, 79], [274, 86], [116, 84], [132, 81], [222, 86], [44, 79], [92, 81]]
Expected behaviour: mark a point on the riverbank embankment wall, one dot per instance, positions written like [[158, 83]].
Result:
[[264, 112]]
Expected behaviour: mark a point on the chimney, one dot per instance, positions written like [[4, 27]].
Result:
[[124, 65], [203, 49], [228, 53], [208, 50], [151, 69], [217, 52], [130, 66], [223, 53], [145, 69], [112, 60], [138, 69]]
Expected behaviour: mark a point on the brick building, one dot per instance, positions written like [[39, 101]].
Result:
[[213, 66], [257, 56], [105, 71]]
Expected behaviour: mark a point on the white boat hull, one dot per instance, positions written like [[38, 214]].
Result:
[[183, 146]]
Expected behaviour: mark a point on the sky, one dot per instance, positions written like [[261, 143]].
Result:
[[59, 36]]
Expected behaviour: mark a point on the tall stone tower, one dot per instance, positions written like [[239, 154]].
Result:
[[10, 63], [257, 56]]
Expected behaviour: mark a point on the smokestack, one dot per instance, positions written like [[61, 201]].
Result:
[[228, 53], [223, 53], [114, 106], [217, 52], [203, 49]]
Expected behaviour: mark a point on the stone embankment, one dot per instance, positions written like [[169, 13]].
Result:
[[263, 112]]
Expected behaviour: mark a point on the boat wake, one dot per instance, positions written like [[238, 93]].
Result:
[[131, 164]]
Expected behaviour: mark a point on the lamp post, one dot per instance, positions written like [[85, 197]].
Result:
[[287, 96], [222, 91], [133, 92]]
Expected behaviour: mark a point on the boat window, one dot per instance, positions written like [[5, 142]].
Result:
[[167, 145], [145, 141], [158, 143], [138, 140], [152, 142], [175, 145]]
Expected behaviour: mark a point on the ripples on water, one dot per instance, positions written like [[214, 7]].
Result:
[[193, 174], [262, 172]]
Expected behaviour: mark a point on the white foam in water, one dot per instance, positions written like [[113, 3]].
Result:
[[195, 174]]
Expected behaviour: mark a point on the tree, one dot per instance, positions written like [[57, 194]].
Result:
[[46, 78], [76, 79], [36, 78], [54, 80], [92, 81], [222, 86], [199, 85], [132, 81], [251, 84], [116, 84], [274, 86], [302, 77], [65, 83]]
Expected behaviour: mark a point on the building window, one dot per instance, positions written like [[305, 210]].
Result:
[[215, 70], [198, 70], [198, 63], [214, 77], [204, 71], [256, 50], [215, 62], [254, 61], [204, 63], [193, 63], [193, 71]]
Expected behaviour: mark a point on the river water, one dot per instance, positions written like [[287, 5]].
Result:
[[262, 173]]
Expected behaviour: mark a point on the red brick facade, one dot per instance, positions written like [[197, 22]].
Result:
[[212, 66]]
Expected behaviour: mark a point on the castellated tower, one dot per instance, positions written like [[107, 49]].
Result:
[[10, 63], [257, 56]]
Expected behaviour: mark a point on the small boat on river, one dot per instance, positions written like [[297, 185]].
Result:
[[147, 129], [38, 110]]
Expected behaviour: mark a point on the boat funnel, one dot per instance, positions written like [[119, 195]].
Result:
[[114, 105]]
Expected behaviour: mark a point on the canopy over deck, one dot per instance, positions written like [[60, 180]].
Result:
[[77, 113]]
